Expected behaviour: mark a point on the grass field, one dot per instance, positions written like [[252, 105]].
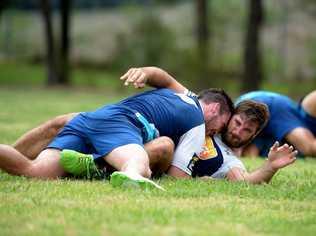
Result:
[[71, 207]]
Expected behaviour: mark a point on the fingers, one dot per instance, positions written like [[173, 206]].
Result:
[[293, 157], [283, 148], [140, 81], [291, 148], [126, 75], [275, 146], [136, 76]]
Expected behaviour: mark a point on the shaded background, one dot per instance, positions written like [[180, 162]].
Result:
[[237, 45]]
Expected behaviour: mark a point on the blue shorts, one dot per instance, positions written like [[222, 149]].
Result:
[[98, 133]]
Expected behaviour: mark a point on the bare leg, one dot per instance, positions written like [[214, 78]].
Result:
[[160, 152], [303, 140], [309, 103], [130, 158], [34, 141], [46, 166]]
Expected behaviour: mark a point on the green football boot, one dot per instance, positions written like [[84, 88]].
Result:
[[130, 180], [79, 164]]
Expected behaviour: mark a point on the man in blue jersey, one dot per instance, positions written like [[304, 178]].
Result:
[[290, 122], [116, 133]]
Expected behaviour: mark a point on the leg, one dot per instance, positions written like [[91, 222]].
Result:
[[160, 152], [133, 164], [130, 158], [303, 140], [309, 103], [34, 141], [46, 166]]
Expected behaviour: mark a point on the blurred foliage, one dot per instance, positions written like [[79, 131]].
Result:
[[162, 33], [151, 43]]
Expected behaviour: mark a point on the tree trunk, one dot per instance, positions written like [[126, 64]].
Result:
[[202, 42], [52, 74], [3, 4], [252, 55], [65, 7]]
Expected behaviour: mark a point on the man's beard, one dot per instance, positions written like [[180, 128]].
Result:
[[232, 141]]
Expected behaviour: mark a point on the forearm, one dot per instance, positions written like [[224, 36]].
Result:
[[159, 78], [259, 176], [262, 175]]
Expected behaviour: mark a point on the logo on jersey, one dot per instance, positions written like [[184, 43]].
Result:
[[209, 150], [192, 162], [186, 99]]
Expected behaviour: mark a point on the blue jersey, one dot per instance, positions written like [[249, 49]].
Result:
[[172, 114], [285, 115]]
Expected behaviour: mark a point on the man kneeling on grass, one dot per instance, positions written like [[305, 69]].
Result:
[[217, 160]]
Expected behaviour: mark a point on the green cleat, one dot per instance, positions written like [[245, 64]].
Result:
[[125, 179], [79, 164]]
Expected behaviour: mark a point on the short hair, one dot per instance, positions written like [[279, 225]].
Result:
[[255, 111], [217, 95]]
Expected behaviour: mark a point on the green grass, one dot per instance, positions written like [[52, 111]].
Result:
[[189, 207]]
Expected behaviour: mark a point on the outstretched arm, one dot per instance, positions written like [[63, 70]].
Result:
[[278, 158], [153, 76]]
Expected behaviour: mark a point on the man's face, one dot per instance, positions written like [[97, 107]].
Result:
[[240, 131], [216, 123]]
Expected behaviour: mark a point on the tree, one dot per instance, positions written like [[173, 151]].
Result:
[[57, 73], [3, 4], [253, 74], [52, 74], [65, 41], [202, 41]]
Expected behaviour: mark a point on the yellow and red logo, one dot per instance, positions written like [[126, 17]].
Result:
[[209, 151]]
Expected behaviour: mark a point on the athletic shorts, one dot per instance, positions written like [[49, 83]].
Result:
[[98, 135]]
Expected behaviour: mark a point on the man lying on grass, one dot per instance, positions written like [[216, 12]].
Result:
[[289, 122], [216, 160]]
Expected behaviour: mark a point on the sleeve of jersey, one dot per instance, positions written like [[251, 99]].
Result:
[[189, 144], [229, 163]]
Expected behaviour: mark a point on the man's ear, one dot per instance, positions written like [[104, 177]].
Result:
[[214, 108]]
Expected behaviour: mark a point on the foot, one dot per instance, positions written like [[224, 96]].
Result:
[[79, 164], [126, 179]]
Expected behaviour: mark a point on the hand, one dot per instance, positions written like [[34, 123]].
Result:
[[280, 157], [136, 76]]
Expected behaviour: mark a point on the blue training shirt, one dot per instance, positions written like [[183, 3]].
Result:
[[172, 114]]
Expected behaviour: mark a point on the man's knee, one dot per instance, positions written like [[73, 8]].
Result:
[[309, 103], [160, 153], [161, 147], [165, 147]]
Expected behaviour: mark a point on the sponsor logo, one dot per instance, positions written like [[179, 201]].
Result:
[[209, 151]]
